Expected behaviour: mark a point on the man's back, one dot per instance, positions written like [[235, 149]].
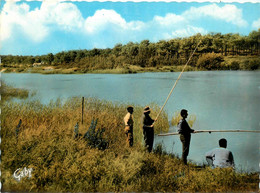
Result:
[[221, 157]]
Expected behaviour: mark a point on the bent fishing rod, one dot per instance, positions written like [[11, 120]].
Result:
[[210, 131], [175, 84]]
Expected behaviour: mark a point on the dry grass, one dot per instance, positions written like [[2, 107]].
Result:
[[62, 163], [7, 92]]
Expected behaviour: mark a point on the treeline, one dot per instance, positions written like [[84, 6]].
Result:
[[173, 52]]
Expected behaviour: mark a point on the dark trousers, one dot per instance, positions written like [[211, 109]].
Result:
[[185, 139], [129, 135], [148, 138]]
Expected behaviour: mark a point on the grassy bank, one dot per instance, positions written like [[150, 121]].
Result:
[[128, 69], [46, 143], [228, 63]]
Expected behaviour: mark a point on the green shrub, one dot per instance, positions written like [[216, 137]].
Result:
[[250, 64], [244, 65], [254, 64], [234, 65], [94, 137], [210, 61]]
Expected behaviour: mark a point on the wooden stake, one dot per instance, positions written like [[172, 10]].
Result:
[[82, 110]]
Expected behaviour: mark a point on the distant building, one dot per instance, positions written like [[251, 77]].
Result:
[[37, 64]]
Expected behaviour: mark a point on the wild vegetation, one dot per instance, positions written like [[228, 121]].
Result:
[[7, 92], [216, 51], [45, 141]]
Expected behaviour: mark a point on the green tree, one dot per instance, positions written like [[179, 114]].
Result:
[[49, 58], [117, 50], [254, 38]]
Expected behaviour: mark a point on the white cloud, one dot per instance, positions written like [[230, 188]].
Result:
[[105, 27], [136, 25], [66, 15], [228, 13], [256, 24], [200, 1], [38, 23], [188, 31], [104, 19], [16, 17], [170, 19], [110, 20]]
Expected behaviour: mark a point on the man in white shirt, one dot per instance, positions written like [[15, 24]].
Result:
[[129, 123], [221, 157]]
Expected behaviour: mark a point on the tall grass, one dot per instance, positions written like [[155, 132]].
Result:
[[7, 92], [60, 162]]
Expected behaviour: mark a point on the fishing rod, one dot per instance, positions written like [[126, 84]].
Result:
[[175, 84], [211, 131]]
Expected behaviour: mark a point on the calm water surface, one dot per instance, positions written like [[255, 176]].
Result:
[[220, 100]]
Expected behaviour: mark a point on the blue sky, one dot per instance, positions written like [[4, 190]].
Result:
[[42, 27]]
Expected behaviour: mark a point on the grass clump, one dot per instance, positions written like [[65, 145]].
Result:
[[62, 163], [94, 138], [7, 92]]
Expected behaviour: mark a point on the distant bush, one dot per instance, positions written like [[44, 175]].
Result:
[[254, 64], [210, 61], [244, 65], [250, 64], [234, 65]]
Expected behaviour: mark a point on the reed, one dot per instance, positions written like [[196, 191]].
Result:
[[7, 92]]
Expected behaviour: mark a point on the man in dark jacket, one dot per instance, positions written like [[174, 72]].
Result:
[[148, 130], [185, 135]]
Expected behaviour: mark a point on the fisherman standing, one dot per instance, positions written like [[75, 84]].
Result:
[[185, 135], [220, 157], [148, 129], [129, 123]]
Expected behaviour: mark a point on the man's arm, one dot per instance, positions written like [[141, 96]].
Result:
[[209, 157], [231, 159], [126, 119], [188, 127]]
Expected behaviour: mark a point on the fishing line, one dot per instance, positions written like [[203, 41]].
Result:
[[176, 83]]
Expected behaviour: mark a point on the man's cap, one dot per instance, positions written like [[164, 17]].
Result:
[[129, 107]]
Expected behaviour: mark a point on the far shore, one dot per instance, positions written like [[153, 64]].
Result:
[[122, 70], [229, 63], [51, 70]]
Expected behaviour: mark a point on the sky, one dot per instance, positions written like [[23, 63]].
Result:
[[52, 26]]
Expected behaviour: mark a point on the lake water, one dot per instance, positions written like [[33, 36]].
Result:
[[220, 100]]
